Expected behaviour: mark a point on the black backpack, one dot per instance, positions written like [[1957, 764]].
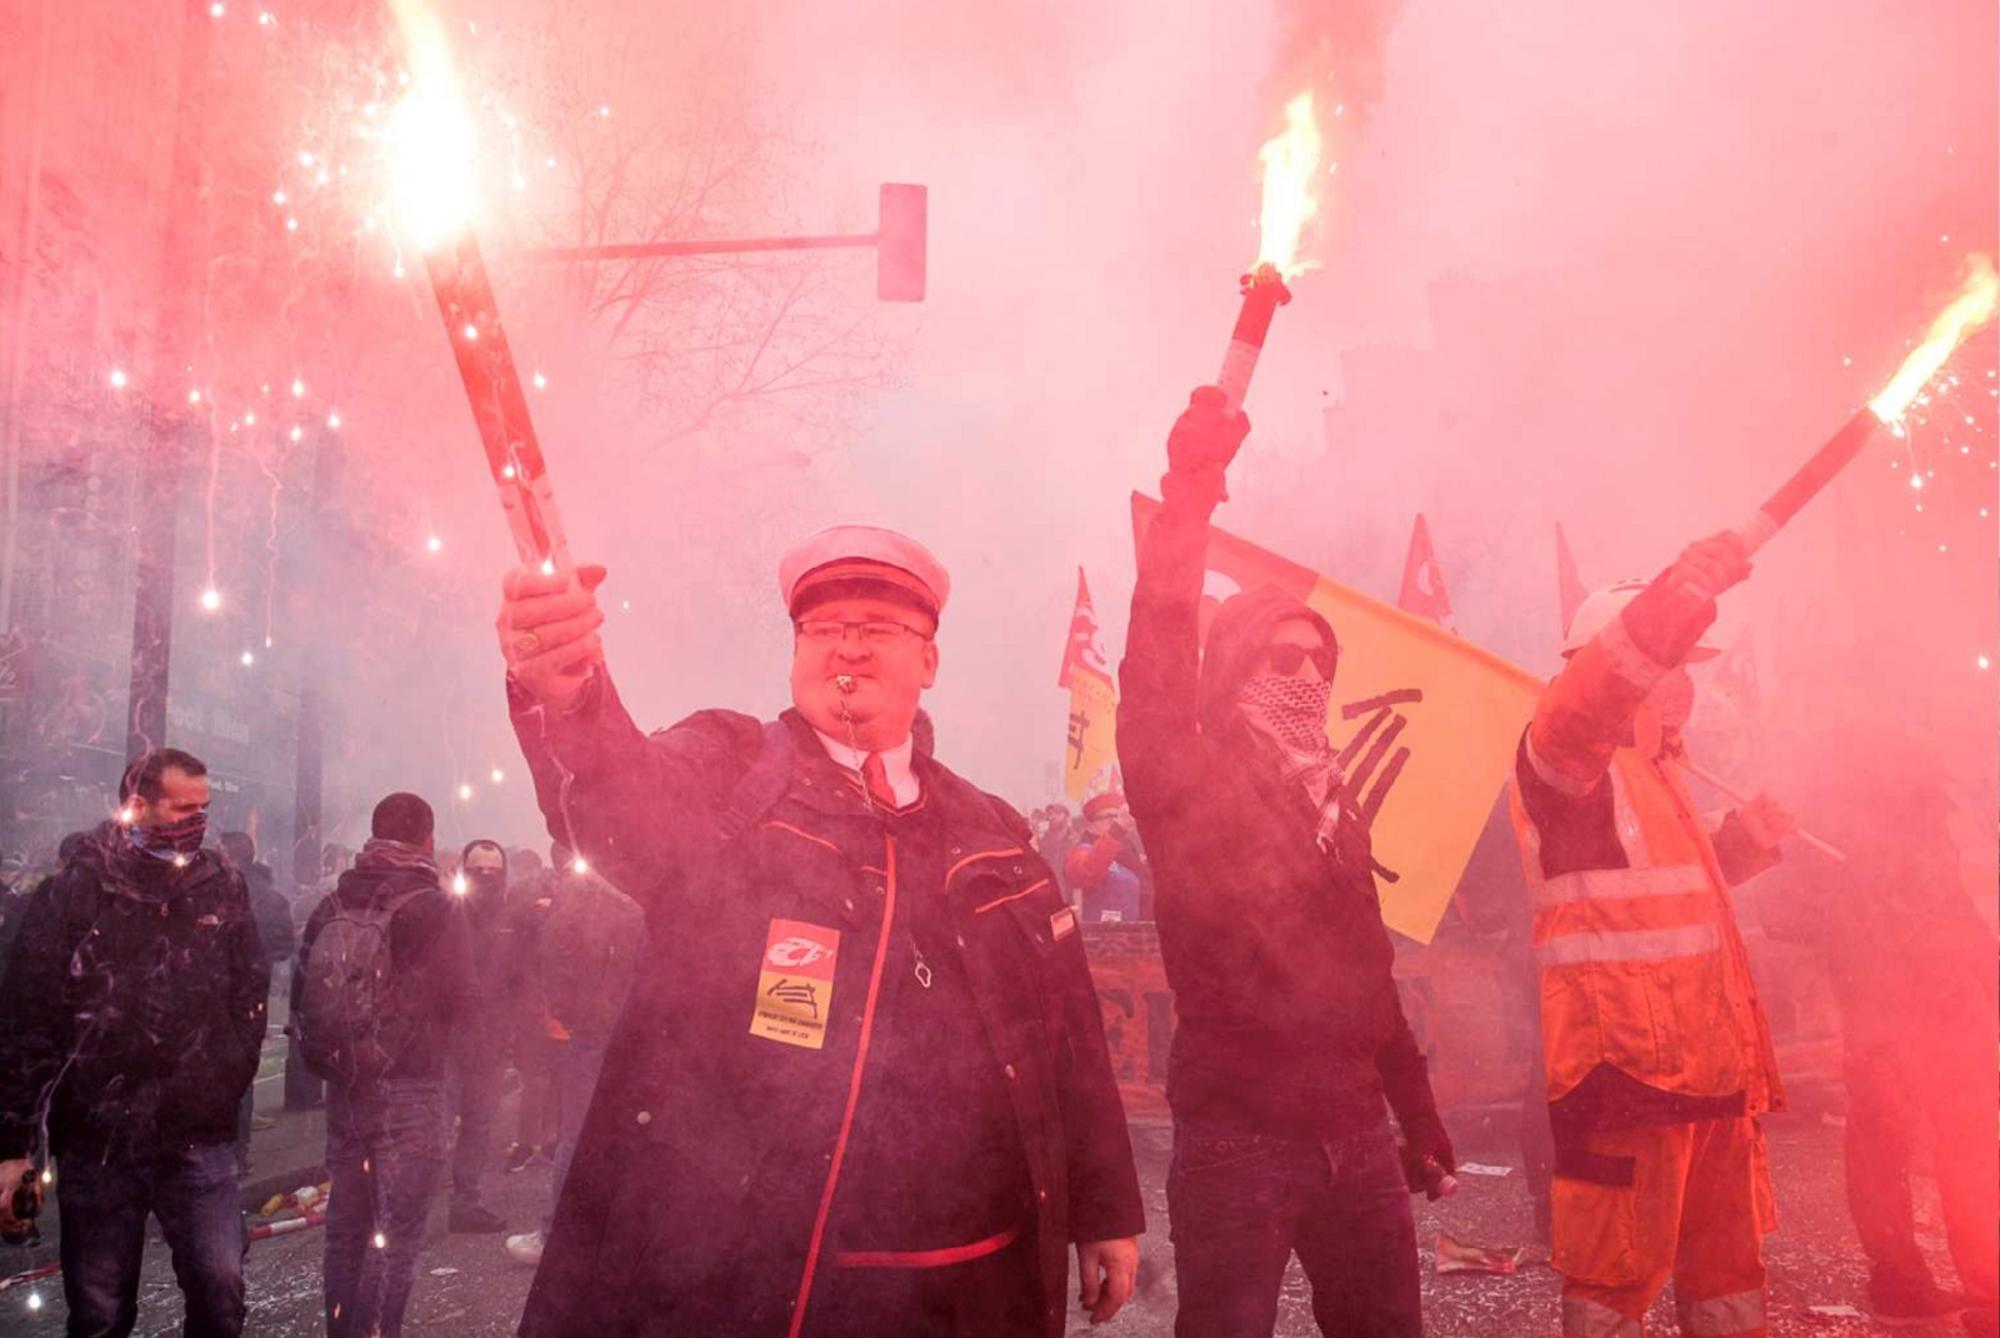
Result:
[[355, 1016]]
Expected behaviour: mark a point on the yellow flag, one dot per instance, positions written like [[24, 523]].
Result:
[[1424, 723], [1091, 749]]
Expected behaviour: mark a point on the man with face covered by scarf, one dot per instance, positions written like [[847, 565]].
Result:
[[1290, 1032], [480, 1041], [135, 1011]]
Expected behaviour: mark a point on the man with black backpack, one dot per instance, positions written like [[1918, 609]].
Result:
[[384, 970]]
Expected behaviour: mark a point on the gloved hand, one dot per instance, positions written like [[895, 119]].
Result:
[[1766, 821], [1205, 438], [1427, 1155], [1710, 566], [1667, 618]]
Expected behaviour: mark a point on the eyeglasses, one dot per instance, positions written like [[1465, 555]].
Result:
[[1286, 658], [825, 632]]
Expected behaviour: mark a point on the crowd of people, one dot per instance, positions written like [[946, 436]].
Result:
[[1096, 857], [415, 981], [861, 1083]]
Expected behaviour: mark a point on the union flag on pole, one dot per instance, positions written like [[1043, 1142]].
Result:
[[1423, 591], [1570, 590], [1424, 723], [1084, 645], [1090, 751]]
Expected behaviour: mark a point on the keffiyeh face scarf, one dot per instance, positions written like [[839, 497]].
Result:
[[1291, 714]]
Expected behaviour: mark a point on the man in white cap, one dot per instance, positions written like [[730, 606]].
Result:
[[862, 1085], [1658, 1058]]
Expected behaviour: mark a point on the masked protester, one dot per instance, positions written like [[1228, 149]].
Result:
[[482, 1037], [1290, 1032], [531, 896], [135, 1014], [384, 972], [861, 1084], [1657, 1056]]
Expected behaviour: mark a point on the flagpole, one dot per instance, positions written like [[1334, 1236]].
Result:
[[1716, 782]]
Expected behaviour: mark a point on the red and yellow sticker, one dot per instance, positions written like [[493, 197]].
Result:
[[795, 983]]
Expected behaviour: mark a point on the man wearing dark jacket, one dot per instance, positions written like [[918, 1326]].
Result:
[[385, 1119], [480, 1042], [1911, 963], [275, 932], [862, 1085], [268, 906], [135, 1012], [589, 940], [1290, 1031]]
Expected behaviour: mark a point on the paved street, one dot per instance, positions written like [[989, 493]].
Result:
[[465, 1284]]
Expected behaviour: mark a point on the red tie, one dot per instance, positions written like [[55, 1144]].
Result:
[[876, 777]]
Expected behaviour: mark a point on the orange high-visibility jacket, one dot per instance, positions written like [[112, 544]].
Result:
[[1641, 963]]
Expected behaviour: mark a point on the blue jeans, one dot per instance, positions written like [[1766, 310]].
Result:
[[104, 1207], [1241, 1204], [384, 1154]]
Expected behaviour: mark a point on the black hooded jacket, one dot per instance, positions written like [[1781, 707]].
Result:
[[430, 950], [1289, 1022], [485, 1030], [134, 1006]]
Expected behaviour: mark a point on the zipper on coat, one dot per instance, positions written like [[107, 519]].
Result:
[[853, 1091]]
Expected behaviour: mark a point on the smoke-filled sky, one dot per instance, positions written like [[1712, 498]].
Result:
[[1619, 266], [1677, 222]]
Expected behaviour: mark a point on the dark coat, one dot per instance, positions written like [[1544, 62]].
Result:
[[1288, 1017], [272, 912], [706, 1169], [137, 992]]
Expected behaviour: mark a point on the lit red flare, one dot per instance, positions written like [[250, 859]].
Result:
[[431, 144], [1291, 162], [1970, 310]]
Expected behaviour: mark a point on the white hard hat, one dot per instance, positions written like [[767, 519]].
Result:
[[1601, 606]]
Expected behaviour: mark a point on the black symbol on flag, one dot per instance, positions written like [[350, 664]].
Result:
[[1079, 726], [1372, 760]]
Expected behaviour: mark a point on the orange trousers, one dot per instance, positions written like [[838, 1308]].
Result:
[[1695, 1213]]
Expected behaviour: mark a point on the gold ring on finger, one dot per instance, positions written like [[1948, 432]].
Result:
[[527, 643]]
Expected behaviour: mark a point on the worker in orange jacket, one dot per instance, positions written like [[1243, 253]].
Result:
[[1658, 1057]]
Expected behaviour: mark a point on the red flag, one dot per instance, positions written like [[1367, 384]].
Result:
[[1570, 591], [1083, 647], [1423, 591]]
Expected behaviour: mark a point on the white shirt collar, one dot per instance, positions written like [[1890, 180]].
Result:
[[895, 764]]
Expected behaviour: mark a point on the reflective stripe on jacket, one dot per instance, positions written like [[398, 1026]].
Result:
[[1642, 966]]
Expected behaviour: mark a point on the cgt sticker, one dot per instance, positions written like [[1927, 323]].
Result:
[[795, 983]]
